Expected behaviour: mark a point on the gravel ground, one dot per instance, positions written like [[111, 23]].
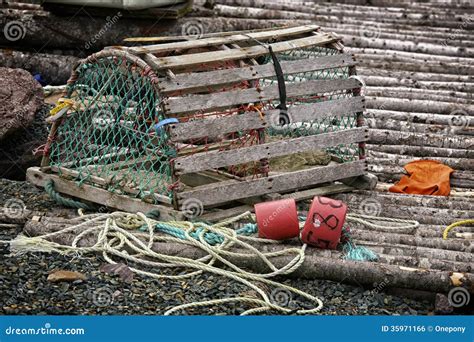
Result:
[[24, 288]]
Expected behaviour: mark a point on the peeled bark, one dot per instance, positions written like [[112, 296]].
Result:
[[421, 151], [381, 136]]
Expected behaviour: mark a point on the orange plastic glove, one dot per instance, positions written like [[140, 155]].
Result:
[[426, 177]]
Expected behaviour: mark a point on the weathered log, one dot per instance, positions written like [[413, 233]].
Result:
[[378, 158], [55, 69], [421, 151], [400, 89], [328, 266], [381, 136], [431, 67], [404, 239], [409, 46], [405, 199], [418, 76], [425, 118]]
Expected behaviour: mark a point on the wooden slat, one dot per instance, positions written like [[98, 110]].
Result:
[[215, 41], [252, 120], [233, 98], [220, 215], [106, 182], [228, 191], [100, 196], [163, 39], [202, 80], [235, 54], [215, 159]]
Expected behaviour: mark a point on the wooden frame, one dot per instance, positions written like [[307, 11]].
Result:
[[186, 86]]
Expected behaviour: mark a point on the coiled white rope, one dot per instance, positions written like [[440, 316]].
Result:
[[136, 248]]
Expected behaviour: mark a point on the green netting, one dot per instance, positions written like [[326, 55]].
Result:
[[348, 152], [110, 137]]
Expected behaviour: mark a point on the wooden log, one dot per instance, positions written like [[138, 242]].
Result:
[[417, 76], [404, 239], [421, 151], [381, 158], [380, 136], [389, 63], [330, 265], [420, 106], [400, 89], [409, 46], [441, 202], [55, 69], [416, 117]]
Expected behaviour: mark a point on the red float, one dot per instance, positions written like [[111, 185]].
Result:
[[324, 223], [277, 220]]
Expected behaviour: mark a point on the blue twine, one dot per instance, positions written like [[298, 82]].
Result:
[[349, 248]]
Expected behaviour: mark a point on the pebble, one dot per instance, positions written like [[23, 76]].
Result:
[[27, 290]]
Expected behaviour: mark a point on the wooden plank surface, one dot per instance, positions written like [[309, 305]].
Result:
[[233, 190], [202, 80], [99, 196], [213, 127], [215, 159], [203, 103], [216, 41], [159, 63], [223, 214]]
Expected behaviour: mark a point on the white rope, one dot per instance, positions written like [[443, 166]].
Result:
[[367, 220], [136, 248]]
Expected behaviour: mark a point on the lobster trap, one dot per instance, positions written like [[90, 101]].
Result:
[[208, 122]]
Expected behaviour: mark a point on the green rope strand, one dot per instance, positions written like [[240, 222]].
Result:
[[67, 202]]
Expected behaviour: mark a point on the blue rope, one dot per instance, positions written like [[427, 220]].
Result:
[[210, 237], [349, 248]]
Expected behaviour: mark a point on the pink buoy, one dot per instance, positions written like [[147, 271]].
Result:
[[323, 226], [277, 220]]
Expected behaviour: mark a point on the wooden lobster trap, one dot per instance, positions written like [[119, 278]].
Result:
[[192, 124]]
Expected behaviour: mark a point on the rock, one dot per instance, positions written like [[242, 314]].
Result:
[[16, 151], [442, 305], [61, 275], [21, 96]]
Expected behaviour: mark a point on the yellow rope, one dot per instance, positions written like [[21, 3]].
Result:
[[455, 224], [114, 239]]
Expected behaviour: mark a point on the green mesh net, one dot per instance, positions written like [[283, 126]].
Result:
[[110, 137]]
